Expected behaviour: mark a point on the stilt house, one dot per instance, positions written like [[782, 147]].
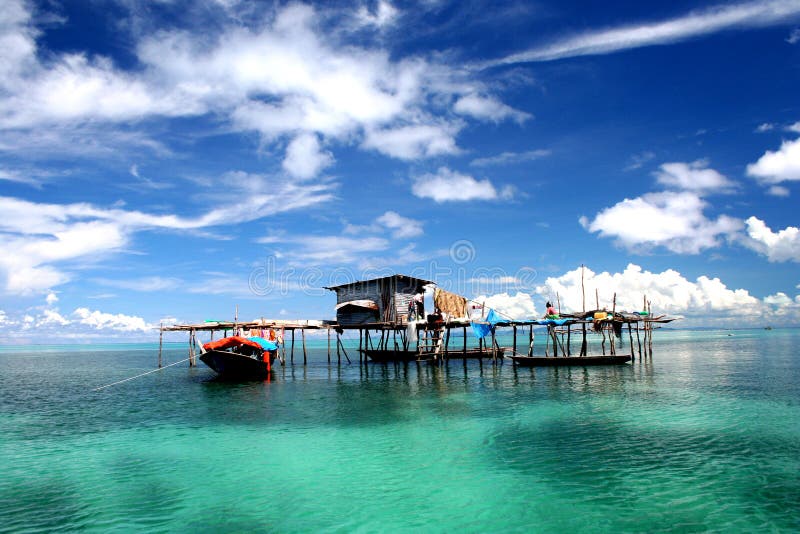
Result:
[[380, 300]]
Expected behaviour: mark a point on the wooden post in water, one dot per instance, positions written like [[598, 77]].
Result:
[[329, 345], [514, 344], [583, 325], [464, 332], [191, 348], [630, 336], [303, 335], [338, 353], [530, 340], [160, 342], [638, 340], [291, 354], [613, 334], [569, 335]]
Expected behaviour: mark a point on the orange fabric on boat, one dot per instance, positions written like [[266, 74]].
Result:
[[228, 342]]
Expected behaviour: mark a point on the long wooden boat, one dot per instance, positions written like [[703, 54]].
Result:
[[239, 358], [570, 361], [390, 355]]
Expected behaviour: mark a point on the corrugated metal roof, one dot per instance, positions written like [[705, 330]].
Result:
[[397, 276]]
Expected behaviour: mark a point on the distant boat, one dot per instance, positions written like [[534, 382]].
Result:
[[767, 328], [240, 358], [570, 361]]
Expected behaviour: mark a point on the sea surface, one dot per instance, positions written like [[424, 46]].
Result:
[[703, 436]]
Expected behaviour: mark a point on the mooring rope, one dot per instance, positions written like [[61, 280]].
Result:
[[143, 374]]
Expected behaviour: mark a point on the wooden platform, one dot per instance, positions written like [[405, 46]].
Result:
[[570, 361]]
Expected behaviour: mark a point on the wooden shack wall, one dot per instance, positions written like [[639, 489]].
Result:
[[392, 295], [403, 293], [369, 290]]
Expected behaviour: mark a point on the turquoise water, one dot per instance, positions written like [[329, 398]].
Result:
[[705, 436]]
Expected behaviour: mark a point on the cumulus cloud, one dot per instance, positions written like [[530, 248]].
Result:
[[109, 321], [287, 76], [695, 176], [780, 246], [414, 141], [765, 127], [305, 158], [779, 166], [668, 291], [401, 227], [673, 220], [451, 186], [518, 306]]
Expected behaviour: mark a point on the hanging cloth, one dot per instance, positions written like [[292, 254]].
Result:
[[450, 303]]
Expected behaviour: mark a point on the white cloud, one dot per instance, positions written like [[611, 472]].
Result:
[[692, 25], [780, 246], [286, 76], [638, 161], [668, 291], [765, 127], [401, 227], [108, 321], [673, 220], [330, 249], [794, 36], [452, 186], [51, 299], [778, 191], [507, 158], [695, 176], [488, 108], [780, 166], [794, 127], [519, 306], [413, 142], [45, 235], [384, 15], [305, 158], [52, 317], [148, 283]]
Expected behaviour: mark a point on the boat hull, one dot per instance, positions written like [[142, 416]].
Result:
[[382, 356], [235, 366], [570, 361]]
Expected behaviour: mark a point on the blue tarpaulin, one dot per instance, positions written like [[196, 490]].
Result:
[[483, 329], [265, 343]]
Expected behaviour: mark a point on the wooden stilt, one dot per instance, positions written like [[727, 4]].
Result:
[[291, 354], [329, 345], [303, 335], [514, 343], [160, 343], [530, 340]]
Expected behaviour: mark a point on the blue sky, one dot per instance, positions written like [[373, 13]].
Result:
[[172, 160]]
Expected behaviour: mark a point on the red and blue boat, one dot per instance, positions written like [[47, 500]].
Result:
[[240, 358]]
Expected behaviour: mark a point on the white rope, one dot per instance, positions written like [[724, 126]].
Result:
[[137, 376]]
